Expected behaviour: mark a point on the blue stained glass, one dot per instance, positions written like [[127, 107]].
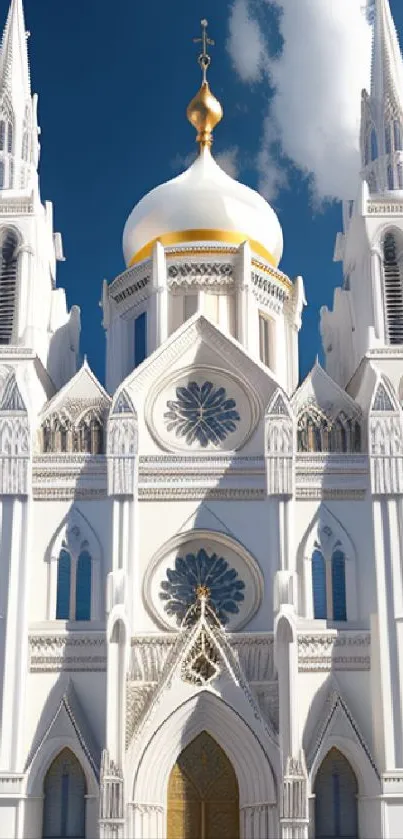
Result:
[[202, 413], [200, 572], [140, 339], [65, 804], [83, 587], [339, 586], [319, 586], [63, 586]]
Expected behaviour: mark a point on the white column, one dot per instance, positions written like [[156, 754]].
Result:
[[148, 821], [259, 821], [16, 640], [384, 726], [244, 268], [377, 295], [158, 312]]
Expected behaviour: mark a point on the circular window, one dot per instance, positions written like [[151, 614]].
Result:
[[201, 409], [203, 564]]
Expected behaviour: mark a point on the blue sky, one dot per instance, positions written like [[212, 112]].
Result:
[[113, 81]]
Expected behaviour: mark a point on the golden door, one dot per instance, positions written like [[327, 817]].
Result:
[[203, 800]]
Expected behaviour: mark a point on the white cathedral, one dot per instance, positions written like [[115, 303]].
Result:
[[201, 567]]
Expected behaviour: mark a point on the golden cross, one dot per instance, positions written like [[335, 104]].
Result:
[[204, 58]]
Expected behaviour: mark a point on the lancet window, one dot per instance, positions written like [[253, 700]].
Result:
[[393, 288], [318, 433], [329, 585], [140, 339], [371, 147], [74, 584], [61, 434], [336, 791], [64, 798], [266, 340], [8, 283]]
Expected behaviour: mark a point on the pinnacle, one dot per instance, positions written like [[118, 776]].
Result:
[[14, 64], [387, 61]]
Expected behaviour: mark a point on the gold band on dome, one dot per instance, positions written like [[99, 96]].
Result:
[[230, 237]]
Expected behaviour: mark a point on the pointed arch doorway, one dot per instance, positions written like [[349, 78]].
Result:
[[203, 795]]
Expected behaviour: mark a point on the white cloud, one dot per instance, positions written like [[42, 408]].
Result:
[[246, 44], [229, 161], [314, 115]]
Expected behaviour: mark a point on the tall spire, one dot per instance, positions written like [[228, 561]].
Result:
[[14, 65], [382, 110], [387, 62], [19, 147]]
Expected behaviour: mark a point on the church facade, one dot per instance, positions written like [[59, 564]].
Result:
[[201, 577]]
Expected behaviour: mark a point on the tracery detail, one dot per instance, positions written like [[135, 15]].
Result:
[[202, 413], [317, 432], [197, 575]]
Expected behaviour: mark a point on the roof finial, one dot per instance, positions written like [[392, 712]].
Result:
[[204, 58], [204, 111]]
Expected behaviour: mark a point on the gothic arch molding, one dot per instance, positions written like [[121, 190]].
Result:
[[337, 728], [75, 523], [204, 712], [45, 757], [325, 527]]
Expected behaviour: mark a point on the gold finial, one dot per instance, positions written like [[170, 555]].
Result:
[[204, 111]]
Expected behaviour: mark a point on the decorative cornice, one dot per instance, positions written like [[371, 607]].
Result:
[[333, 650], [70, 652]]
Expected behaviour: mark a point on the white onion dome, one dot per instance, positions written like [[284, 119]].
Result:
[[203, 204]]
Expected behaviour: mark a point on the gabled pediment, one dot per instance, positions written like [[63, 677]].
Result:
[[200, 391], [83, 391], [199, 341], [64, 719], [319, 389], [200, 659], [336, 727]]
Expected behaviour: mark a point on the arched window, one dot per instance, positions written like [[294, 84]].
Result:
[[63, 586], [10, 137], [391, 180], [339, 586], [373, 145], [74, 586], [60, 435], [393, 290], [398, 135], [400, 175], [319, 586], [8, 283], [329, 586], [64, 799], [336, 791], [388, 138], [318, 433], [83, 587]]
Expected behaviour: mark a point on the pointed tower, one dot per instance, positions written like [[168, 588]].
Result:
[[367, 316], [33, 313], [19, 147], [382, 110]]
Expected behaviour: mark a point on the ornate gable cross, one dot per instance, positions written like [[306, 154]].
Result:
[[204, 58]]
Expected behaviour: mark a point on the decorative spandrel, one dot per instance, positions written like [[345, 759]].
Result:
[[200, 574], [202, 413]]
